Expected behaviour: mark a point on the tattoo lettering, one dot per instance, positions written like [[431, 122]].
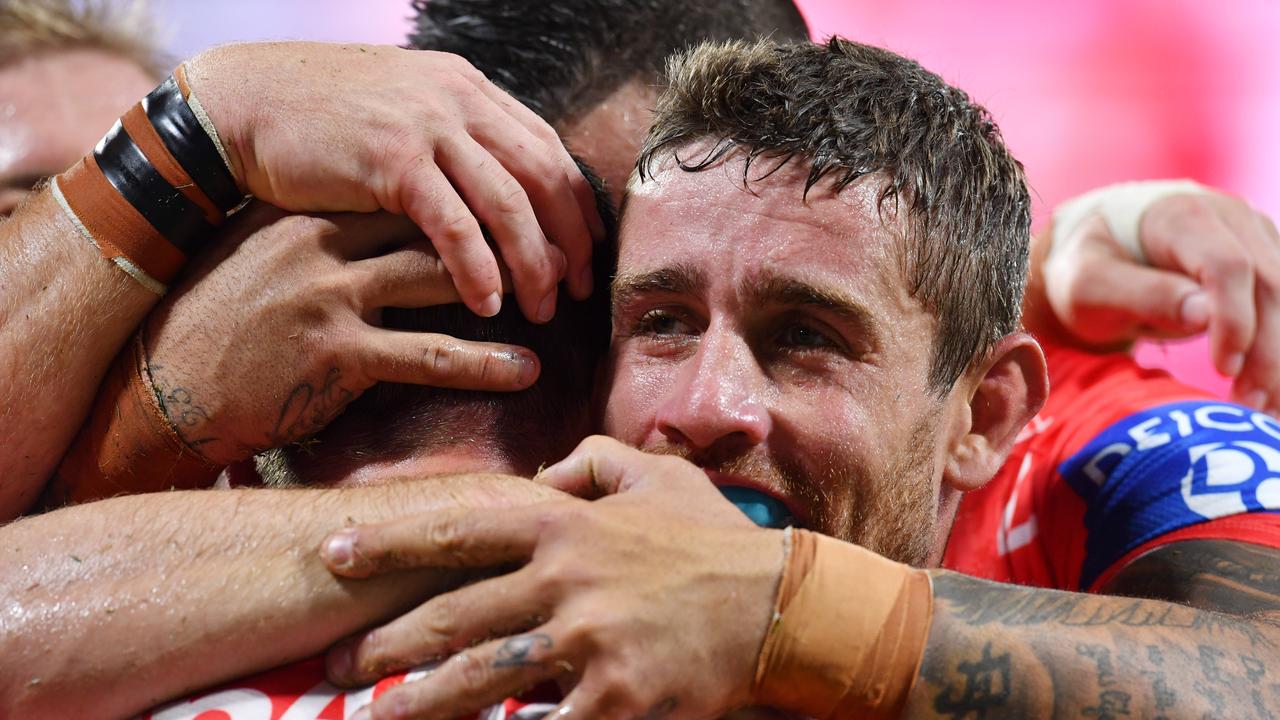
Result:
[[515, 651], [986, 686], [978, 602], [309, 408], [1155, 655], [1112, 704], [1254, 668], [186, 416], [661, 710], [1209, 664], [1101, 657], [1222, 575]]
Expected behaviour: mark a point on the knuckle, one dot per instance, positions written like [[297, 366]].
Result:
[[509, 198], [472, 671], [445, 535], [454, 229], [440, 359]]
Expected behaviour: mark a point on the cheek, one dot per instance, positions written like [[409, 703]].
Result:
[[633, 398]]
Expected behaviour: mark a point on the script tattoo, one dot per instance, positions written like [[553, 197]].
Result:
[[309, 408], [985, 686], [977, 602], [186, 415], [516, 650]]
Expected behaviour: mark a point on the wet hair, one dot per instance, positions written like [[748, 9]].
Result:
[[529, 428], [119, 27], [850, 110], [562, 57]]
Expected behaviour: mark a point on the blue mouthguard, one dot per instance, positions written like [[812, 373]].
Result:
[[763, 510]]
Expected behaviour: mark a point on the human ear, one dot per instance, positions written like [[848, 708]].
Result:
[[1005, 390]]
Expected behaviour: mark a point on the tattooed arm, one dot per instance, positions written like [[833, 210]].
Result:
[[1003, 651]]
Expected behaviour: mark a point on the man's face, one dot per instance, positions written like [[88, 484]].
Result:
[[54, 106], [773, 342]]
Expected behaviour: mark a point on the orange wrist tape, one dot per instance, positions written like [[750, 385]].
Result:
[[127, 445], [848, 633]]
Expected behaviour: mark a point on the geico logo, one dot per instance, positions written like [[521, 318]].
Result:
[[1188, 419], [1224, 476]]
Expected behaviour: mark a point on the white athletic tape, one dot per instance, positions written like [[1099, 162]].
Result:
[[1121, 207]]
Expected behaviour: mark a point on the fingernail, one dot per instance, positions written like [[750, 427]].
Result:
[[528, 368], [1256, 399], [491, 305], [362, 714], [547, 309], [1234, 364], [338, 548], [586, 282], [1195, 309]]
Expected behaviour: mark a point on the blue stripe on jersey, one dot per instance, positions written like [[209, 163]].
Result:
[[1170, 467]]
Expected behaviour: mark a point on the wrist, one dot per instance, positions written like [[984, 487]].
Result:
[[217, 77], [848, 632]]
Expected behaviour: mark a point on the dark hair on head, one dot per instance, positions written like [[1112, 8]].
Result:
[[850, 110], [561, 57], [536, 426]]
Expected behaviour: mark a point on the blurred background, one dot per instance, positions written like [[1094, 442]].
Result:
[[1087, 93]]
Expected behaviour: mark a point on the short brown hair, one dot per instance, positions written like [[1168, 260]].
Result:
[[851, 110], [121, 27]]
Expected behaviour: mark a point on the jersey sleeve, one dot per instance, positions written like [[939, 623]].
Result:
[[1160, 471]]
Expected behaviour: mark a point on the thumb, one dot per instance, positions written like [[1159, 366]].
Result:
[[598, 466], [1108, 300]]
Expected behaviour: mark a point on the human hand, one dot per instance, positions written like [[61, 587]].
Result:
[[1211, 263], [623, 596], [271, 335], [327, 127]]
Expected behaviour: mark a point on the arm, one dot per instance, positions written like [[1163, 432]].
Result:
[[1004, 651], [110, 607], [663, 566], [1162, 260], [64, 313], [436, 142]]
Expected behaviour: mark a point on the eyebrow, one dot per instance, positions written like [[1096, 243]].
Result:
[[773, 289], [680, 279]]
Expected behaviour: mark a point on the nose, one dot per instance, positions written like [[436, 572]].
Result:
[[718, 398]]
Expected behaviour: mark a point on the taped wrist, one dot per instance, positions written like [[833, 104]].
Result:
[[1121, 207], [128, 445], [155, 188], [848, 633]]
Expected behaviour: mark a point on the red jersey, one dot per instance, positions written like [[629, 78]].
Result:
[[1121, 460], [300, 692]]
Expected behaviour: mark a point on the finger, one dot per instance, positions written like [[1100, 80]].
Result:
[[420, 358], [362, 235], [411, 277], [1258, 384], [603, 466], [434, 205], [1103, 298], [447, 623], [477, 678], [582, 191], [442, 538], [538, 165], [1224, 269], [501, 203]]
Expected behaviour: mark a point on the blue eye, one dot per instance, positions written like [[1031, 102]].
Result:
[[762, 509], [661, 322]]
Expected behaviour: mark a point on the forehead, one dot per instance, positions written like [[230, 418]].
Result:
[[54, 106], [709, 220]]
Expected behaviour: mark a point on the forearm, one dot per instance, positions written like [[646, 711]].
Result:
[[999, 651], [114, 606], [64, 313]]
